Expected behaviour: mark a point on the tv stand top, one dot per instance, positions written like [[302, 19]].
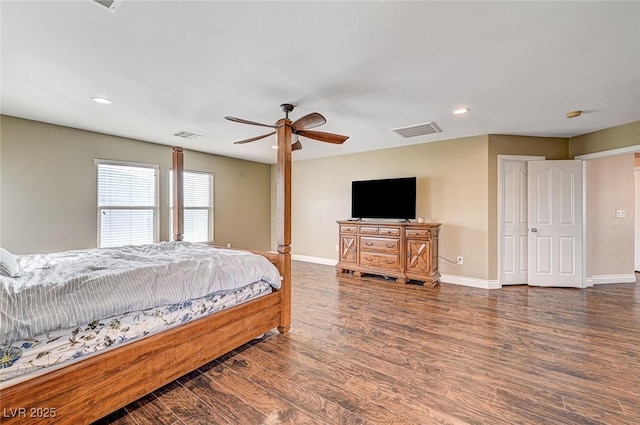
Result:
[[373, 222], [383, 221]]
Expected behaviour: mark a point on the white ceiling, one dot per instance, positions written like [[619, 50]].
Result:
[[368, 67]]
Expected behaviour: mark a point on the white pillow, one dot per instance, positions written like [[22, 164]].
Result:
[[8, 264]]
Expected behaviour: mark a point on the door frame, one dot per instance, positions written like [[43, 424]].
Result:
[[501, 160], [636, 220], [590, 281]]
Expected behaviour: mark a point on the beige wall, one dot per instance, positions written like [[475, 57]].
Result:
[[610, 240], [49, 187], [47, 197], [0, 181], [611, 138], [451, 185], [610, 247], [457, 185]]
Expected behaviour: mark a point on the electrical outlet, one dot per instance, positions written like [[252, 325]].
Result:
[[228, 244], [460, 260], [620, 214], [337, 248]]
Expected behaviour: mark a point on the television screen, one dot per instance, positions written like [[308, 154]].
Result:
[[387, 198]]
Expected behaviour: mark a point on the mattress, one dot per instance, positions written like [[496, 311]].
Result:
[[66, 290], [25, 358]]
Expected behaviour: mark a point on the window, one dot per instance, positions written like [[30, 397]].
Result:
[[127, 203], [198, 206]]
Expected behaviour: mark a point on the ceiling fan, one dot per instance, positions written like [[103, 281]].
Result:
[[299, 127]]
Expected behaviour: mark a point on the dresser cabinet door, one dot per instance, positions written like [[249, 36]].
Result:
[[348, 249], [418, 256]]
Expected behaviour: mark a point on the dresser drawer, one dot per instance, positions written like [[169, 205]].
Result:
[[389, 231], [368, 243], [348, 229], [386, 261], [368, 230], [418, 233]]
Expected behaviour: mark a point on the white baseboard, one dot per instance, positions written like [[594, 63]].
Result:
[[316, 260], [470, 281], [456, 280], [612, 278], [481, 283]]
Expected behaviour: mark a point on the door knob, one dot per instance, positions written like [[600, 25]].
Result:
[[534, 230]]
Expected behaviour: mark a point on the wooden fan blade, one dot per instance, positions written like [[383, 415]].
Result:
[[253, 139], [323, 137], [242, 121], [311, 120], [296, 146]]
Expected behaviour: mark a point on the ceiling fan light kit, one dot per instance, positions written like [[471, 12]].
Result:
[[300, 127]]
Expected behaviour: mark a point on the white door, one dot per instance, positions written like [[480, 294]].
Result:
[[555, 241], [514, 264], [637, 221]]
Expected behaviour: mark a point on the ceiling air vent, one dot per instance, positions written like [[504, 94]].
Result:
[[111, 5], [418, 130], [188, 135]]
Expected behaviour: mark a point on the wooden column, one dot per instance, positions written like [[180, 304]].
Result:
[[283, 229], [178, 193]]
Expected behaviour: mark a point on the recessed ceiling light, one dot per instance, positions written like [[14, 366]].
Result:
[[573, 114], [102, 100], [461, 111]]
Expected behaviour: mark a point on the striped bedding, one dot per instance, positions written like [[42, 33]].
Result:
[[69, 289]]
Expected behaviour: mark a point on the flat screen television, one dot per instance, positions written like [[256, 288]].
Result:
[[386, 198]]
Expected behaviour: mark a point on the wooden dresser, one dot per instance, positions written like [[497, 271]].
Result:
[[401, 250]]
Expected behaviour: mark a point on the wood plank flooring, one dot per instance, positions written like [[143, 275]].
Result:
[[368, 351]]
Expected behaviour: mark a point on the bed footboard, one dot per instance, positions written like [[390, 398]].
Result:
[[90, 389]]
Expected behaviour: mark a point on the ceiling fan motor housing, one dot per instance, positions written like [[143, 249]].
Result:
[[286, 108]]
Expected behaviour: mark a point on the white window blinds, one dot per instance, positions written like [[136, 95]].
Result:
[[127, 203], [198, 206]]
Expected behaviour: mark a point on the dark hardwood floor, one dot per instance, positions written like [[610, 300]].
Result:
[[367, 350]]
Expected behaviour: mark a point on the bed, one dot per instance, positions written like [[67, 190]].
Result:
[[88, 388]]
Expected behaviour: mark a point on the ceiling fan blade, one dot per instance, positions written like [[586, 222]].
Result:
[[323, 137], [296, 146], [242, 121], [311, 120], [253, 139]]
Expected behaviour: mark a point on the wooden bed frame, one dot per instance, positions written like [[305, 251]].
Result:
[[92, 388]]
